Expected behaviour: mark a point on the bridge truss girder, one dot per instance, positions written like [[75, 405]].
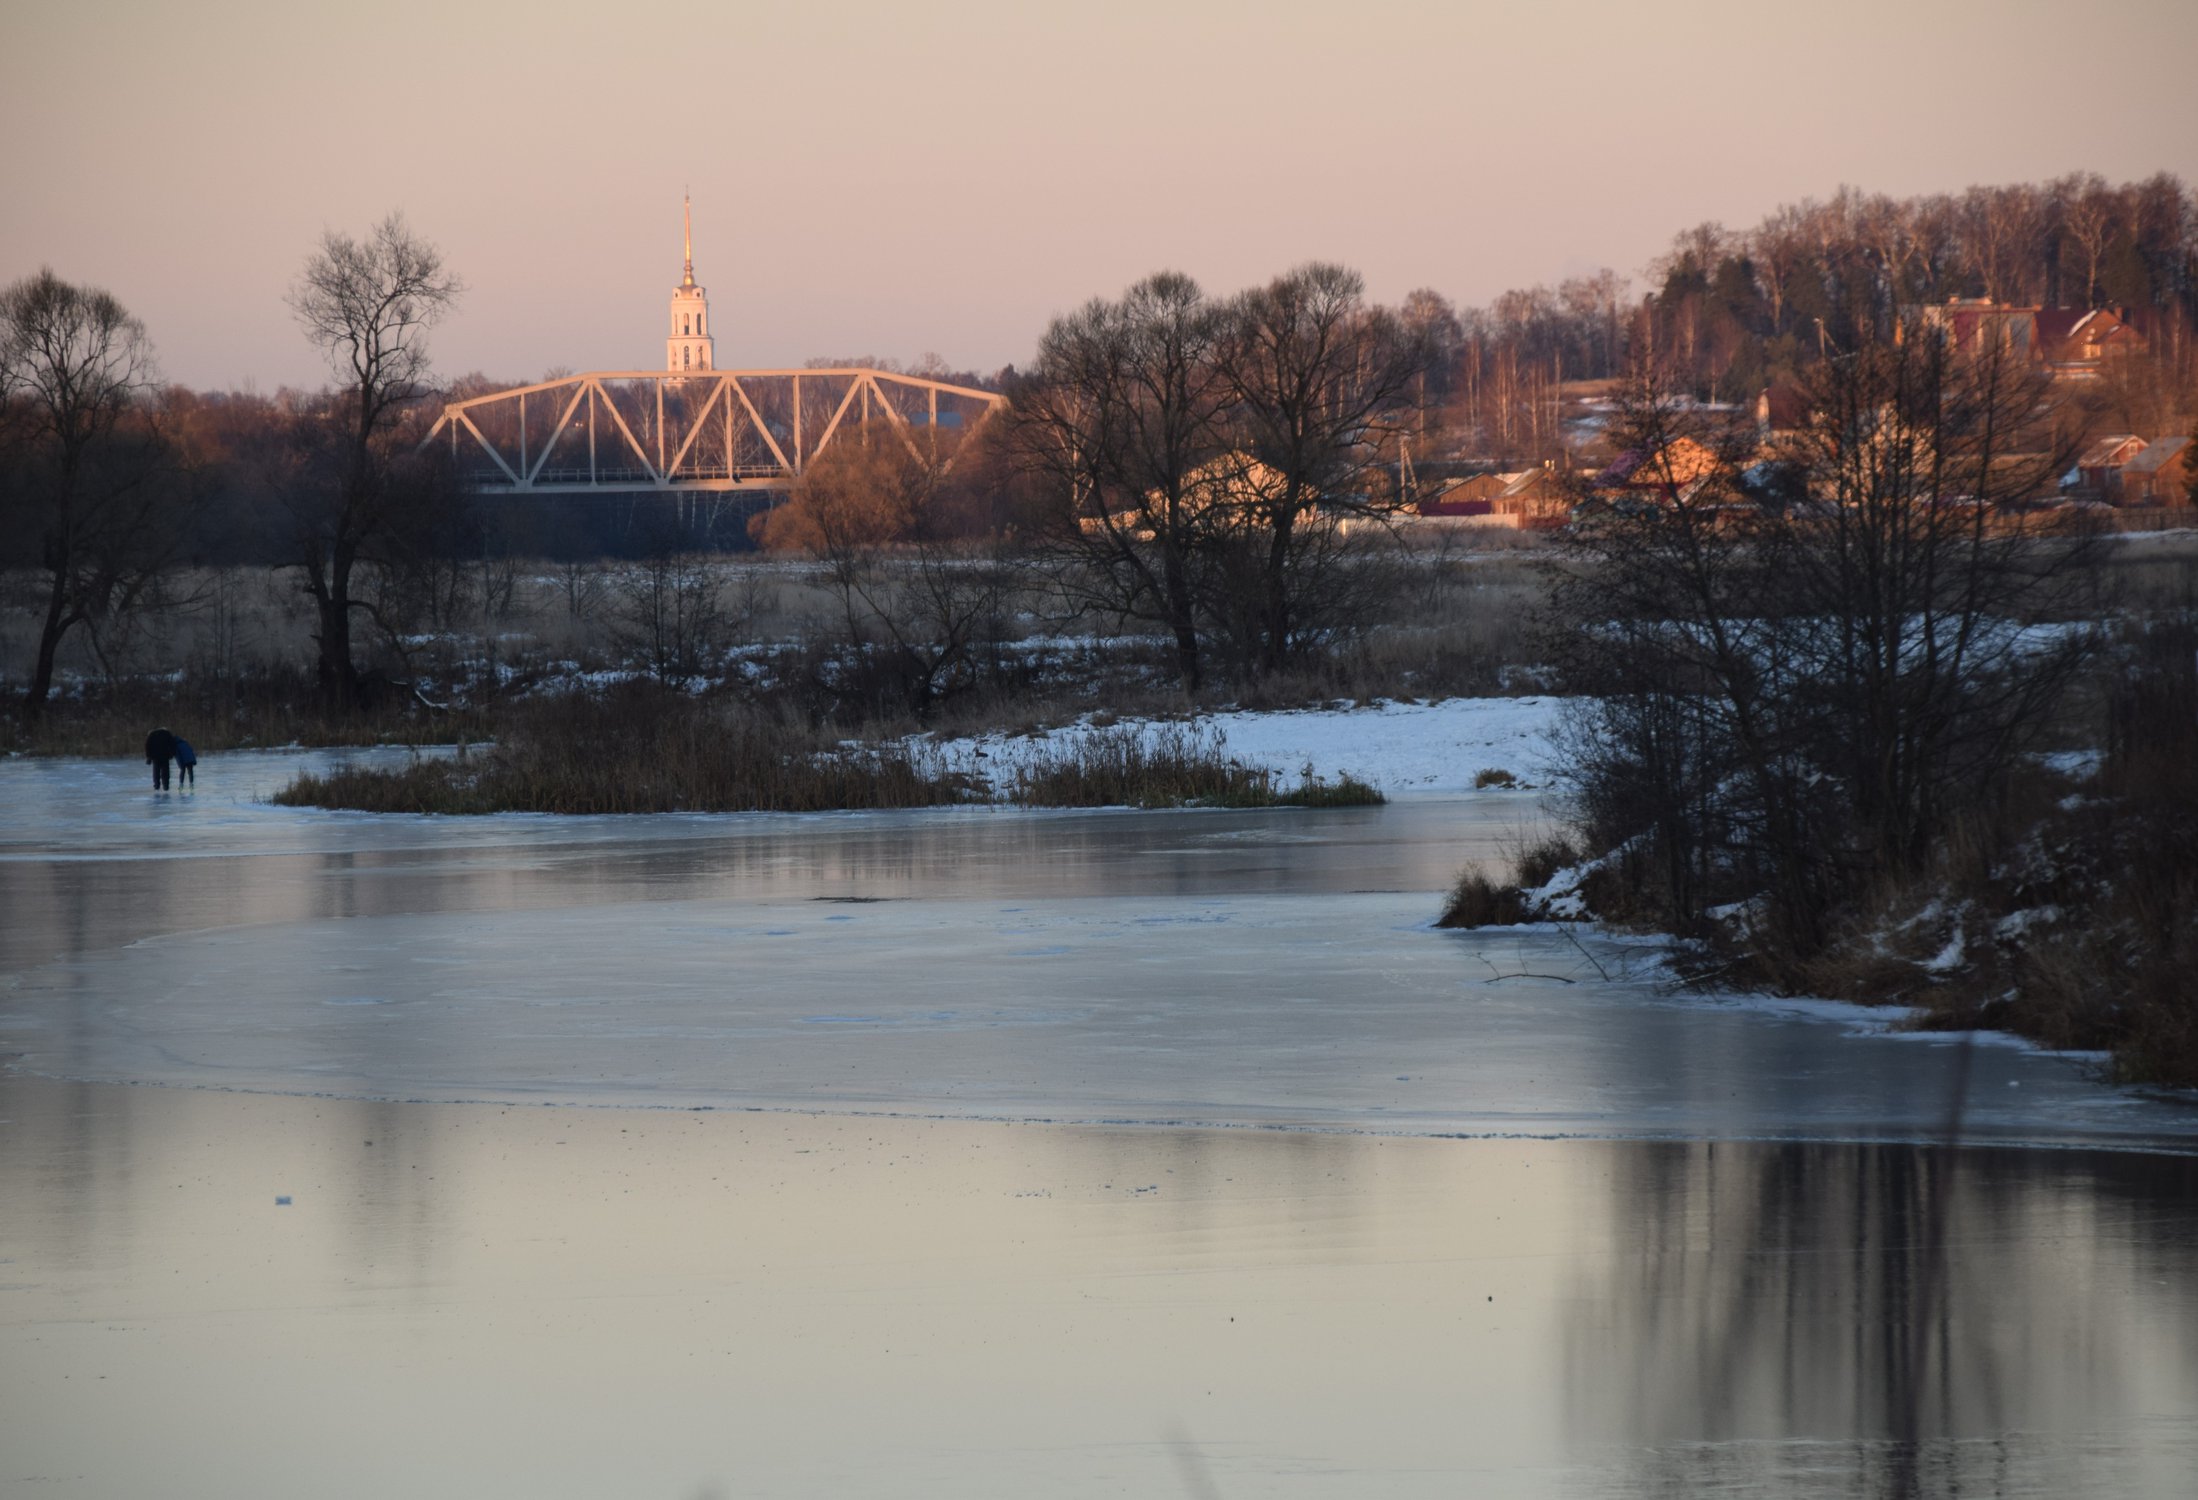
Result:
[[617, 431]]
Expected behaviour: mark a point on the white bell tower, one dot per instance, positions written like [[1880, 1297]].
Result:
[[689, 343]]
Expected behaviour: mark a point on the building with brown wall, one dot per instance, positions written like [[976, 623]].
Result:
[[2160, 475]]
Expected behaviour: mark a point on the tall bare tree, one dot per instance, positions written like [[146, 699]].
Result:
[[367, 304], [1319, 382], [80, 458], [2092, 217], [1119, 416]]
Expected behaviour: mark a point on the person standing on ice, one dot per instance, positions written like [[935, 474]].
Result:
[[160, 748], [186, 764]]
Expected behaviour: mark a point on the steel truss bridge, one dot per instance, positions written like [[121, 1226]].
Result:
[[618, 431]]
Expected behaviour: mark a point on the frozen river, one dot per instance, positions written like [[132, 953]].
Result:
[[987, 1152]]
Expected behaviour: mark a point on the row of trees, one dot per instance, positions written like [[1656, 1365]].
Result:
[[108, 480], [1210, 468]]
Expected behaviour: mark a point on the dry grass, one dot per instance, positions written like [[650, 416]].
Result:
[[1479, 901], [1174, 765], [644, 751]]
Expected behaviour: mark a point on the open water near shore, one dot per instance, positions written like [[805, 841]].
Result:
[[997, 1153]]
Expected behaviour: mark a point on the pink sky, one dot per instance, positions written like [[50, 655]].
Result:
[[891, 179]]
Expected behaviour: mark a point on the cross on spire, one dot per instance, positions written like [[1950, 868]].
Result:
[[686, 215]]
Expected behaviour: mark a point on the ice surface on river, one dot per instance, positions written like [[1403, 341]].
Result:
[[1260, 968]]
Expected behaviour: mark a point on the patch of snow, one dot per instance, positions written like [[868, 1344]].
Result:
[[1436, 748], [2077, 765], [2016, 925], [1948, 958], [1931, 912]]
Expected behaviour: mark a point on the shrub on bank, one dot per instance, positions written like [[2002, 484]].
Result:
[[2066, 911], [1173, 765], [1479, 901]]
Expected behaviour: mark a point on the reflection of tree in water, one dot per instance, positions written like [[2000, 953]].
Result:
[[1883, 1320]]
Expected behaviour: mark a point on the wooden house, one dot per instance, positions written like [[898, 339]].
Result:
[[2160, 475]]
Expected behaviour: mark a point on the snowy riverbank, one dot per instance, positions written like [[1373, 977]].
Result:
[[1436, 748]]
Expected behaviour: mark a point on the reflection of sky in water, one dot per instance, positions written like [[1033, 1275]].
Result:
[[609, 1302]]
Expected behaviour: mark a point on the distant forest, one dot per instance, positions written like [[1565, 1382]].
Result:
[[1728, 312]]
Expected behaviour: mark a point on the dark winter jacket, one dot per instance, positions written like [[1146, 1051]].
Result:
[[160, 747], [186, 757]]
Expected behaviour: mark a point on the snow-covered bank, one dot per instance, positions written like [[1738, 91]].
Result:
[[1436, 748]]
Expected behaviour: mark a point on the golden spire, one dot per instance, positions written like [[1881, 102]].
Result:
[[686, 214]]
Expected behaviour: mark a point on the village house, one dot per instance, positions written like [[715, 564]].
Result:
[[1666, 475], [1464, 502], [2072, 343], [1975, 324], [1220, 493], [1527, 500], [2079, 344], [1535, 500], [2098, 472], [2160, 475]]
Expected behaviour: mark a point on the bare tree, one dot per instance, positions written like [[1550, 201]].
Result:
[[368, 305], [82, 459], [2005, 228], [669, 609], [2090, 220], [916, 555], [1119, 416], [1318, 383]]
